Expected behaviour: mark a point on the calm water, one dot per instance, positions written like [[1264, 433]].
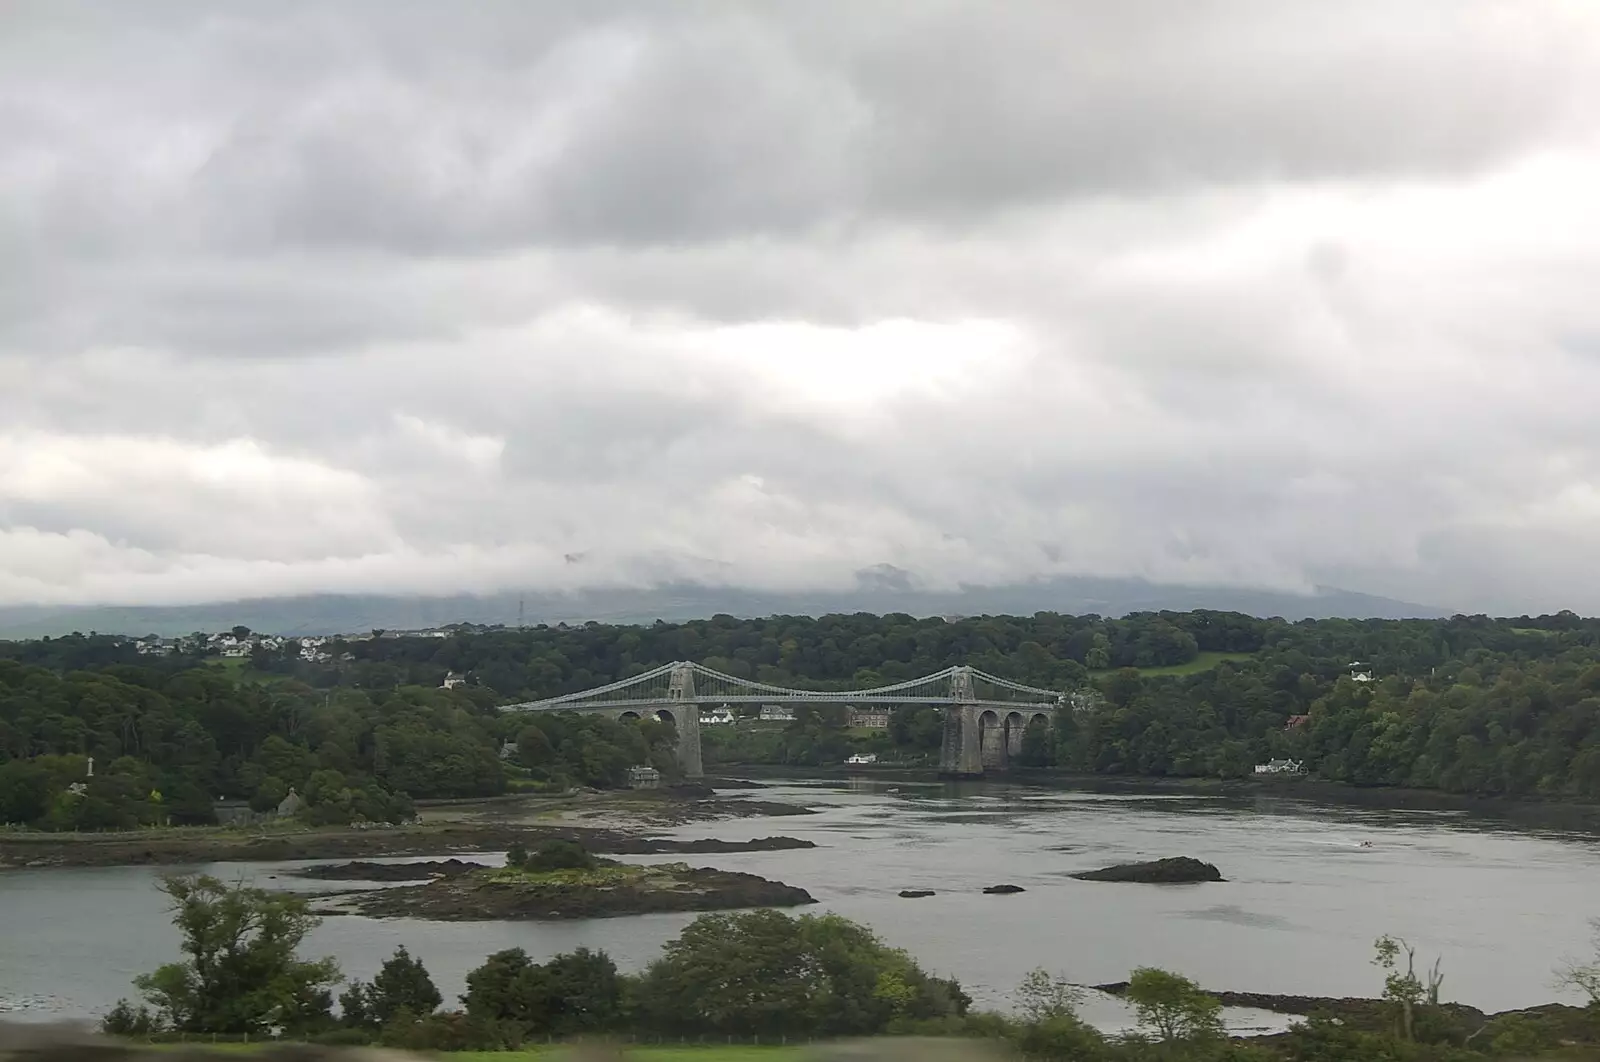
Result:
[[1299, 912]]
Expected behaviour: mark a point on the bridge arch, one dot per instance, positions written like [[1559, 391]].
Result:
[[629, 717], [665, 715], [1015, 724], [991, 739]]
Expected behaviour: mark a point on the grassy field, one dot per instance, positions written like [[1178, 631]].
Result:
[[1202, 662], [562, 1052], [687, 1053], [238, 668]]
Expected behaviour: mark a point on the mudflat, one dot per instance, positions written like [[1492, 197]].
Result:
[[605, 823]]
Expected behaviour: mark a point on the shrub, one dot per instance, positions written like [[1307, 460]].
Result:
[[559, 855], [449, 1030], [127, 1020]]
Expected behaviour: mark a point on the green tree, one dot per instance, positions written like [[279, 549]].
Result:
[[1581, 976], [269, 794], [241, 973], [573, 993], [1173, 1007], [354, 1008], [402, 984], [1403, 988], [1050, 1027], [1098, 656], [534, 748], [557, 854], [1041, 997], [763, 973]]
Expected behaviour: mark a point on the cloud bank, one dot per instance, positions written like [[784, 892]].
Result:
[[390, 297]]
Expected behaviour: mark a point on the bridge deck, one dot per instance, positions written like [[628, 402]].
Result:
[[712, 700]]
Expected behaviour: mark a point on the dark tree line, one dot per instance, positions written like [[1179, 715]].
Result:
[[1469, 704]]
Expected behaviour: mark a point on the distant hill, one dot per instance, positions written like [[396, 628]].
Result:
[[879, 590]]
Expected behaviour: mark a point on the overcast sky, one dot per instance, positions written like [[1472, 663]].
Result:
[[426, 297]]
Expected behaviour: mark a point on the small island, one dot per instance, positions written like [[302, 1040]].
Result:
[[562, 880], [361, 870], [1181, 870]]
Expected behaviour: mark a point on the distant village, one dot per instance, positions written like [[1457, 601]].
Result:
[[241, 642]]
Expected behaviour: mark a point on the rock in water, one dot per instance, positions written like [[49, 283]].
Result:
[[915, 894], [1179, 870], [1003, 890]]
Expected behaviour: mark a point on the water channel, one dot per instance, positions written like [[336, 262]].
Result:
[[1302, 904]]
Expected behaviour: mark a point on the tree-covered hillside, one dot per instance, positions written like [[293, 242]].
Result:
[[1468, 704]]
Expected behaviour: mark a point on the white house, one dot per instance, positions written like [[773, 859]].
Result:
[[1360, 671], [776, 713], [1281, 767], [452, 680], [717, 717], [872, 718], [862, 759]]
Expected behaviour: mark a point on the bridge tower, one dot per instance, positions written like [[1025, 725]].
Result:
[[961, 752], [685, 711]]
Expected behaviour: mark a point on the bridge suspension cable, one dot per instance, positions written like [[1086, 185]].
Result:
[[611, 687], [939, 687], [1017, 687], [874, 691]]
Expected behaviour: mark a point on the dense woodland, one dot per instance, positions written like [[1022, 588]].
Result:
[[1468, 705]]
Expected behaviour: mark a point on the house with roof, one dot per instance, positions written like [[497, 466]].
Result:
[[1281, 767]]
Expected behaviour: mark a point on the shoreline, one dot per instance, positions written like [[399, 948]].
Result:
[[624, 822], [1373, 1014], [1571, 816]]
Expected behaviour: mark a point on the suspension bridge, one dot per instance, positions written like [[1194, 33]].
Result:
[[984, 715]]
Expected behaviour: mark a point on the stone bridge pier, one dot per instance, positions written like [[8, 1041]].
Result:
[[679, 709], [979, 739]]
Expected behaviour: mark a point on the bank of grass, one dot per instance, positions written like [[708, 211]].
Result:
[[563, 1052], [238, 668], [602, 875], [1202, 662], [644, 1053]]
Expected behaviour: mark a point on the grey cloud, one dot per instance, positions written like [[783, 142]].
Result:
[[394, 296], [368, 126]]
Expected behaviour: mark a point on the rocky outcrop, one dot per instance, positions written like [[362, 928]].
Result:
[[1179, 870], [610, 891], [1003, 890], [915, 894], [364, 871], [704, 846], [147, 848]]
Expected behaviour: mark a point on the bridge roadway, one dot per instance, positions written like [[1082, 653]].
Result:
[[983, 728]]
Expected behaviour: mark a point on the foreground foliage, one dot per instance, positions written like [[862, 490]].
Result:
[[763, 975], [241, 973]]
